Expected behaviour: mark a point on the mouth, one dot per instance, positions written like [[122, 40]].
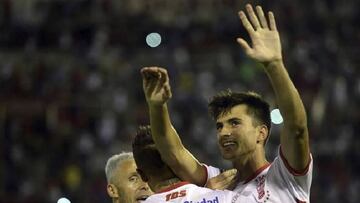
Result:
[[228, 143], [142, 197]]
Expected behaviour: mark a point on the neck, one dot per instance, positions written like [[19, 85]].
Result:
[[161, 185], [248, 164]]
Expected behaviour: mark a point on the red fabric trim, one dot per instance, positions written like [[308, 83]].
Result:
[[206, 175], [172, 187], [293, 171], [257, 172], [299, 201]]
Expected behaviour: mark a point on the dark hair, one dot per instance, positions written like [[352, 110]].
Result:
[[147, 157], [257, 108]]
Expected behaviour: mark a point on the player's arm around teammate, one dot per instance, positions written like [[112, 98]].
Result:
[[266, 48], [157, 92]]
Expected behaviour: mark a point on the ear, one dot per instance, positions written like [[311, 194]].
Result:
[[142, 175], [112, 191], [263, 134]]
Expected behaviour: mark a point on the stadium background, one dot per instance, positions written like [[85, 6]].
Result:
[[71, 95]]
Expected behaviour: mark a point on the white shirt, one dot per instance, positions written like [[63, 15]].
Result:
[[184, 192], [274, 183]]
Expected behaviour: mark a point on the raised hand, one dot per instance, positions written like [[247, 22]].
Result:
[[156, 85], [265, 39]]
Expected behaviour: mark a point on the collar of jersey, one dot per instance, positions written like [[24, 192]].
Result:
[[257, 172], [174, 186]]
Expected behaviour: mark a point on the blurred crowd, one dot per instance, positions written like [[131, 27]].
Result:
[[71, 92]]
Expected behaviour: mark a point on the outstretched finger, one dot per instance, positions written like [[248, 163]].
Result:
[[249, 28], [272, 21], [223, 180], [226, 177], [229, 173], [262, 18], [245, 46], [253, 18]]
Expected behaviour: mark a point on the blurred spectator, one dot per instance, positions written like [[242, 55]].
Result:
[[70, 87]]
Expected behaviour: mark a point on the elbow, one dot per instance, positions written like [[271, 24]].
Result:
[[300, 132], [299, 128]]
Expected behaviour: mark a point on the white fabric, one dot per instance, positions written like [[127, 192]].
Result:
[[190, 193], [274, 184]]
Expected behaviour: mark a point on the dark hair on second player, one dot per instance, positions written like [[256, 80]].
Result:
[[257, 108], [147, 157]]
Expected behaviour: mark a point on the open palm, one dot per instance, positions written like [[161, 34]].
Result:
[[266, 46]]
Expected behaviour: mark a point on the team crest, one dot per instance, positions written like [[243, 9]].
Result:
[[263, 194]]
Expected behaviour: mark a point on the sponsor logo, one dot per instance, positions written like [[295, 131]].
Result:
[[216, 200], [175, 195]]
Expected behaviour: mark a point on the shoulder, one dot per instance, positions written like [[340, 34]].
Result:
[[281, 165]]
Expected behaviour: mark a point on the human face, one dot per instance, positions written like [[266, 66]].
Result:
[[237, 136], [130, 186]]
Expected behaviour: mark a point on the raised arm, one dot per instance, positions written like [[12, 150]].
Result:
[[266, 49], [157, 92]]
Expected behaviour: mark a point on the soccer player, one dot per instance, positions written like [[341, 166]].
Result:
[[124, 183], [162, 180], [243, 125]]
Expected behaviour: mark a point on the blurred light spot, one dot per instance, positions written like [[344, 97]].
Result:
[[63, 200], [276, 117], [153, 39]]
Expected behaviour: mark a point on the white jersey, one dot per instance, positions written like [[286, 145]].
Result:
[[274, 183], [184, 192]]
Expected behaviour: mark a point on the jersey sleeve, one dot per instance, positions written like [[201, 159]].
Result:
[[297, 182], [211, 171]]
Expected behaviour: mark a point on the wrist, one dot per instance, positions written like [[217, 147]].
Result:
[[276, 63], [156, 104]]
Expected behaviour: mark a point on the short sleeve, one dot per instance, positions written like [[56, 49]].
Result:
[[298, 183], [211, 171]]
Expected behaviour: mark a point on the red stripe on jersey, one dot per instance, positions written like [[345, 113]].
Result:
[[299, 201], [257, 172], [206, 175], [293, 171]]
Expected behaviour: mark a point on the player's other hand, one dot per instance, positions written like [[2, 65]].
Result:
[[225, 180], [156, 85], [265, 40]]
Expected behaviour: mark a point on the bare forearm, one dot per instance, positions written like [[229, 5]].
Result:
[[169, 144], [287, 96], [157, 92], [163, 132]]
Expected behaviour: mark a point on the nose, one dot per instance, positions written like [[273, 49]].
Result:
[[144, 186], [224, 132]]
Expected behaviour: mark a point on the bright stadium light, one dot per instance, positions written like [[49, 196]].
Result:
[[63, 200], [276, 117], [153, 39]]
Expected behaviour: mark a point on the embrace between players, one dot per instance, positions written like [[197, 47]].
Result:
[[243, 127]]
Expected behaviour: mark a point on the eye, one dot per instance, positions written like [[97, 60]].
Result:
[[219, 126], [234, 123], [133, 178]]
